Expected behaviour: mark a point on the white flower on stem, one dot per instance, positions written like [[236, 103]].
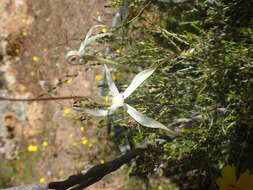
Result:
[[118, 101], [76, 55]]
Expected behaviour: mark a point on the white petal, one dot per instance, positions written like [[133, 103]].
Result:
[[98, 112], [113, 89], [86, 40], [138, 79], [144, 120], [92, 39]]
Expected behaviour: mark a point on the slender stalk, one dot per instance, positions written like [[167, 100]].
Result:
[[98, 59], [41, 99]]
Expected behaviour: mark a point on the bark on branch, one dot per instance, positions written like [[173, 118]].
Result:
[[81, 181]]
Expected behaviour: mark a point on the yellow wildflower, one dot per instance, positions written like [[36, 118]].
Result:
[[32, 148], [118, 51], [47, 20], [104, 30], [67, 111], [74, 144], [152, 90], [84, 140], [71, 135], [24, 33], [82, 128], [61, 172], [102, 161], [99, 77], [90, 145], [42, 180], [114, 77], [69, 81], [32, 73], [45, 143], [35, 58], [45, 49], [24, 21], [228, 180], [22, 88]]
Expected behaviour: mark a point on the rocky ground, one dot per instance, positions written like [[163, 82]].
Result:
[[35, 36]]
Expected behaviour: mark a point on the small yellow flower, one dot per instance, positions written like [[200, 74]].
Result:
[[45, 49], [71, 135], [24, 33], [35, 58], [47, 20], [45, 143], [42, 180], [102, 161], [67, 111], [81, 128], [99, 77], [17, 58], [118, 51], [61, 172], [84, 140], [17, 50], [90, 145], [115, 76], [32, 73], [22, 88], [228, 180], [152, 90], [69, 81], [32, 148], [74, 144], [104, 30], [24, 21]]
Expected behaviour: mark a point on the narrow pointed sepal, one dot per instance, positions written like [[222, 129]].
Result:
[[113, 89], [137, 81], [146, 121], [98, 112]]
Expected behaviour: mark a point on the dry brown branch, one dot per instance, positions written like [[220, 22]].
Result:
[[81, 181]]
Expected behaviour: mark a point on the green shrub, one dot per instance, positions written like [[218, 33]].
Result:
[[203, 87]]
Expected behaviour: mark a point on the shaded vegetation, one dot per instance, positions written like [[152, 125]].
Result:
[[203, 87]]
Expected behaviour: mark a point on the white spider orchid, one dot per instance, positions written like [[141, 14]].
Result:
[[119, 98], [77, 54]]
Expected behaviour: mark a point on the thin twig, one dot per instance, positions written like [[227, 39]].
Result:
[[41, 99], [141, 11]]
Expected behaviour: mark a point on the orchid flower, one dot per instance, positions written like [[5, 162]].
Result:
[[118, 100], [77, 54]]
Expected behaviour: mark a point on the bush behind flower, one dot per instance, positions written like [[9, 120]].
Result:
[[203, 86]]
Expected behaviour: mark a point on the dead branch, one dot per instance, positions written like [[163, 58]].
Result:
[[81, 181]]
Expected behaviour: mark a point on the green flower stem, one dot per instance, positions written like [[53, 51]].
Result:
[[98, 59]]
